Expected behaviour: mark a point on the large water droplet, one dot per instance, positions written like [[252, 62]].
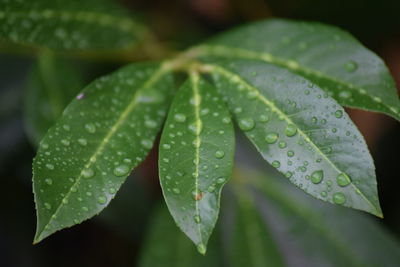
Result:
[[179, 117], [121, 170], [271, 138], [246, 124], [339, 198], [219, 154], [291, 130], [317, 176], [343, 179]]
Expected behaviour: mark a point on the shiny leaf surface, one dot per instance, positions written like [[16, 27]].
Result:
[[196, 157], [102, 135], [327, 56], [300, 131]]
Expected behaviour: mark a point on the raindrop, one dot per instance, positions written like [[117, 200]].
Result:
[[48, 181], [197, 219], [345, 94], [220, 180], [87, 173], [121, 170], [82, 141], [264, 118], [180, 117], [351, 66], [176, 191], [90, 127], [282, 144], [65, 142], [47, 205], [201, 248], [211, 188], [276, 164], [339, 198], [290, 153], [166, 146], [338, 114], [102, 200], [317, 176], [343, 179], [146, 143], [246, 124], [85, 209], [150, 124], [288, 174], [226, 120], [50, 166], [219, 154], [271, 138], [66, 127], [291, 130]]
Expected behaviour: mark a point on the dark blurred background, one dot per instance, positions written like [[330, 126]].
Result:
[[114, 238]]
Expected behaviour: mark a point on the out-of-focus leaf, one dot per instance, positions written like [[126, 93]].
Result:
[[312, 233], [166, 246], [68, 25], [102, 135], [196, 158], [52, 84], [249, 242], [301, 131], [327, 56]]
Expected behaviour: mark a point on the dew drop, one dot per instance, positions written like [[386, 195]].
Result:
[[343, 179], [219, 154], [288, 174], [282, 144], [166, 146], [146, 143], [176, 191], [85, 209], [345, 94], [276, 164], [317, 176], [338, 114], [102, 200], [339, 198], [271, 138], [87, 173], [351, 66], [291, 130], [150, 124], [201, 248], [179, 117], [48, 181], [82, 141], [220, 180], [65, 142], [226, 120], [66, 127], [290, 153], [197, 219], [50, 166], [246, 124], [211, 188], [264, 118], [90, 128], [47, 205], [121, 170]]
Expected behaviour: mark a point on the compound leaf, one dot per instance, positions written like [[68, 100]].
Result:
[[196, 157], [68, 25], [327, 56], [301, 131], [52, 84], [102, 135]]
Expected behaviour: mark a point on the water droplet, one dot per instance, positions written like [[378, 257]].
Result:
[[180, 117], [85, 209], [343, 179], [219, 154], [201, 248], [338, 114], [90, 127], [282, 144], [237, 110], [271, 138], [211, 188], [220, 180], [48, 181], [102, 200], [246, 124], [65, 142], [291, 130], [146, 143], [47, 205], [264, 118], [50, 166], [351, 66], [345, 94], [276, 164], [290, 153], [121, 170], [317, 176], [226, 120], [87, 173], [166, 146], [339, 198], [176, 191], [66, 127], [112, 190], [197, 219], [324, 193], [288, 174], [82, 141], [150, 124]]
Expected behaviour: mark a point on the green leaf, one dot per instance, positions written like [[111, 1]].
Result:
[[68, 25], [52, 84], [327, 56], [102, 135], [196, 157], [166, 246], [249, 242], [301, 131], [321, 234]]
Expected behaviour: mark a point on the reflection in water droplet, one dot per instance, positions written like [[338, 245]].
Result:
[[339, 198], [317, 176], [343, 179]]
